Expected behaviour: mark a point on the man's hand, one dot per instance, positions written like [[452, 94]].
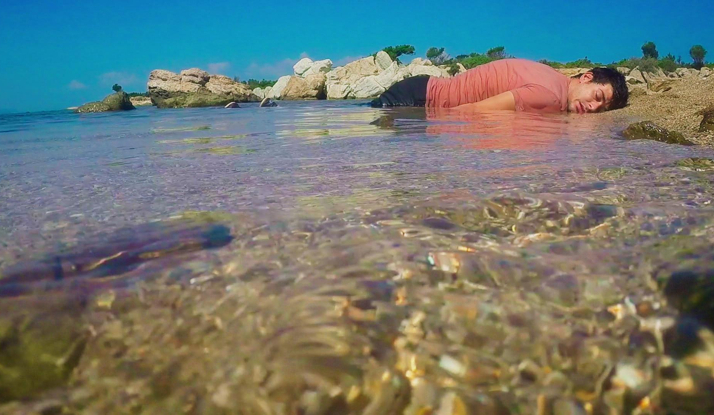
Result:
[[504, 101]]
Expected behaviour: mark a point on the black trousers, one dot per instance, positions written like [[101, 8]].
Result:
[[410, 92]]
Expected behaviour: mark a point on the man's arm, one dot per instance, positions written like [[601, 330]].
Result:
[[503, 101]]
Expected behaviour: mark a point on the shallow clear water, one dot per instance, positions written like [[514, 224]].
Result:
[[381, 261]]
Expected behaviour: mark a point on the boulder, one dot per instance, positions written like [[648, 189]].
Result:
[[431, 70], [195, 88], [391, 75], [624, 70], [302, 66], [259, 93], [140, 101], [277, 89], [97, 106], [420, 61], [705, 72], [647, 130], [683, 72], [310, 87], [341, 81], [338, 91], [232, 105], [355, 70], [118, 101], [382, 60], [323, 66], [461, 67], [367, 87], [195, 76], [635, 77]]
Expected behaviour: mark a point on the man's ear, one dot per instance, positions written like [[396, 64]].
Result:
[[586, 77]]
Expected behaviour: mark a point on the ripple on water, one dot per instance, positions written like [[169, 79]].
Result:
[[403, 262]]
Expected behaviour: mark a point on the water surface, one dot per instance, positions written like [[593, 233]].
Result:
[[379, 261]]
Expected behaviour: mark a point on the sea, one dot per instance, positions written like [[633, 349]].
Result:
[[328, 257]]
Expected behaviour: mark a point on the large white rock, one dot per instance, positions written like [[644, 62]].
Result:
[[683, 72], [354, 70], [163, 80], [390, 76], [302, 66], [195, 75], [367, 87], [194, 88], [705, 72], [277, 89], [310, 87], [416, 70], [338, 91], [382, 60], [259, 92], [635, 77], [323, 66]]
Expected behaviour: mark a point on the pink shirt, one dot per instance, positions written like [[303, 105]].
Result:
[[535, 86]]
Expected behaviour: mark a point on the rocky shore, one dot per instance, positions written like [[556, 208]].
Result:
[[676, 102]]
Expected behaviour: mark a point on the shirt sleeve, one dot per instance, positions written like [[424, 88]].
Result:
[[533, 97]]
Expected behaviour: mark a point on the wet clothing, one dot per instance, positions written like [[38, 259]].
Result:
[[410, 92], [535, 87]]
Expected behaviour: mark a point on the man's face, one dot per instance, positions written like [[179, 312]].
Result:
[[587, 96]]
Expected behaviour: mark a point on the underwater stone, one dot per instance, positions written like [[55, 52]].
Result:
[[647, 130]]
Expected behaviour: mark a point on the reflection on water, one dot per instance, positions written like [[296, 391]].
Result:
[[208, 261]]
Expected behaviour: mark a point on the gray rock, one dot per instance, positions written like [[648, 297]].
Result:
[[382, 60], [118, 101], [310, 87], [647, 130], [302, 66], [277, 89], [195, 88]]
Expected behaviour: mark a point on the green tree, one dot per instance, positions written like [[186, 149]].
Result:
[[116, 87], [395, 52], [649, 50], [697, 52], [434, 52], [499, 52], [437, 56]]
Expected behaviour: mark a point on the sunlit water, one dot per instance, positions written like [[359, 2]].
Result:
[[327, 257]]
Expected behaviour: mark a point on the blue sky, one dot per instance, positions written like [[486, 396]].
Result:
[[53, 56]]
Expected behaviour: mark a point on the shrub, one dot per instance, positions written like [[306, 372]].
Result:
[[667, 64], [395, 52], [580, 63], [552, 64], [138, 94], [697, 52], [437, 56], [116, 87], [475, 59], [499, 52], [263, 83], [649, 50]]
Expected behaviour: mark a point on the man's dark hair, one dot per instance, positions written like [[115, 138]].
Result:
[[604, 76]]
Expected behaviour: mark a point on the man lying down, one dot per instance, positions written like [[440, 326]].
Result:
[[512, 84]]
